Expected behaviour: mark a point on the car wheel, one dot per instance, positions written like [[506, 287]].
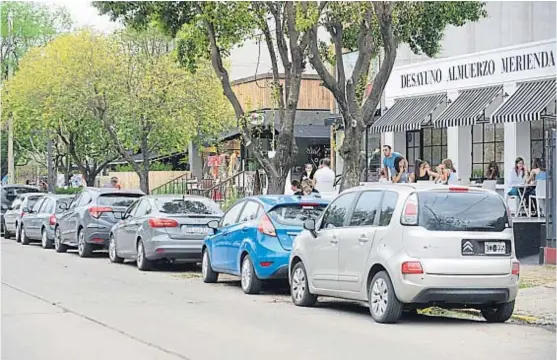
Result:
[[384, 306], [143, 263], [499, 313], [209, 276], [17, 233], [23, 236], [58, 246], [7, 234], [84, 249], [45, 242], [299, 288], [249, 280], [112, 254]]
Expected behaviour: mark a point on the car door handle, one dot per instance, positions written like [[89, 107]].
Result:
[[363, 239], [334, 240]]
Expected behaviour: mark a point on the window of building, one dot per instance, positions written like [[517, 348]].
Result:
[[371, 142], [538, 137], [427, 144], [487, 145]]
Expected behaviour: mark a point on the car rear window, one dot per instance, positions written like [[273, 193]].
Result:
[[11, 193], [32, 200], [461, 211], [295, 214], [187, 206], [117, 199]]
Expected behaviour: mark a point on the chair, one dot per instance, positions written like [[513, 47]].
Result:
[[540, 195], [490, 185]]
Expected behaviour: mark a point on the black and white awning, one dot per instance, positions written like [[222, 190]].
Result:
[[409, 113], [528, 103], [469, 107]]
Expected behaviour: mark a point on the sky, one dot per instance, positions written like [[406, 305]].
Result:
[[85, 15]]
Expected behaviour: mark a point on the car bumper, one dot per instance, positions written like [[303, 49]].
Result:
[[166, 248], [272, 265], [456, 290], [98, 235]]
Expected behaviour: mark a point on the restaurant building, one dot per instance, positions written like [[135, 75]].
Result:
[[476, 108]]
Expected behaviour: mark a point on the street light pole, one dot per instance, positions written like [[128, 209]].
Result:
[[11, 165]]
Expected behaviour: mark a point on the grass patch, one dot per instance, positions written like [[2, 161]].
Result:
[[536, 275]]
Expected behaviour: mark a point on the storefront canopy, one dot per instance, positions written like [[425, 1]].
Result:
[[409, 113], [528, 103], [469, 107]]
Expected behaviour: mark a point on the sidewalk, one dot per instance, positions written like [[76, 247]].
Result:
[[536, 298]]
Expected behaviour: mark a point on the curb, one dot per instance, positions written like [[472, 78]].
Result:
[[525, 319]]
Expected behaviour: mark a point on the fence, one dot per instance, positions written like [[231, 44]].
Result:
[[130, 180]]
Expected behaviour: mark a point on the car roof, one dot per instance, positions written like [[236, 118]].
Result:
[[115, 191], [26, 195], [187, 197], [276, 200], [9, 186], [413, 187]]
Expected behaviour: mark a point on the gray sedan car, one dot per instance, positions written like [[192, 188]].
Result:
[[162, 227], [39, 223]]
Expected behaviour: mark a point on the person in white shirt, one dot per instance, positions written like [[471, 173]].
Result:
[[324, 177]]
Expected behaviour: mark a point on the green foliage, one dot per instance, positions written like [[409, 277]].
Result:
[[68, 190], [154, 166]]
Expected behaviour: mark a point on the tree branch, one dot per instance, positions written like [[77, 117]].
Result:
[[383, 11]]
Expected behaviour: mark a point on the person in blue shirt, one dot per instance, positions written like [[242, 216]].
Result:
[[390, 160]]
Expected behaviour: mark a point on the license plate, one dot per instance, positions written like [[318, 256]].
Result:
[[495, 248], [195, 230]]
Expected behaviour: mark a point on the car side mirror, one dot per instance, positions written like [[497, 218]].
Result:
[[63, 206], [27, 210], [213, 224], [309, 225]]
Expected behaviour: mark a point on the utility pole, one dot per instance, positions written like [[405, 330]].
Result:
[[51, 171], [11, 159]]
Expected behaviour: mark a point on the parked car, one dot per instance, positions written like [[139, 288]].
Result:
[[39, 223], [162, 227], [15, 213], [253, 239], [87, 221], [410, 246], [8, 193]]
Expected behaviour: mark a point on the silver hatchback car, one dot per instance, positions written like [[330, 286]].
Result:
[[410, 246]]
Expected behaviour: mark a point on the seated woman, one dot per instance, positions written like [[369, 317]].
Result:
[[537, 173], [423, 172], [518, 176], [447, 173], [401, 166], [492, 171]]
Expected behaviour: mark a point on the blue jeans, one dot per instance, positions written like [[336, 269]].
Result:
[[513, 192]]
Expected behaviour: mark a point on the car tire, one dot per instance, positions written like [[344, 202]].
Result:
[[299, 287], [112, 254], [58, 246], [499, 313], [143, 263], [23, 236], [384, 306], [207, 273], [7, 234], [17, 233], [46, 243], [84, 249], [249, 281]]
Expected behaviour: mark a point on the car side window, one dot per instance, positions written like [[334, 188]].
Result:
[[250, 211], [365, 211], [231, 216], [49, 207], [388, 205], [16, 204], [75, 201], [143, 208], [130, 210], [335, 214], [38, 205], [85, 199]]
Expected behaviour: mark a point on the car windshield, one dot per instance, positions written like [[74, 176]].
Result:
[[461, 211], [187, 206], [117, 199], [295, 214]]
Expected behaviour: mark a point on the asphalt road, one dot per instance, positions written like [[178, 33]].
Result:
[[59, 306]]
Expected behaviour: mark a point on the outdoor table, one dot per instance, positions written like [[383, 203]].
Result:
[[522, 200]]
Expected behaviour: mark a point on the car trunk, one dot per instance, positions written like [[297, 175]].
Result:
[[190, 226], [111, 206], [470, 227], [289, 220]]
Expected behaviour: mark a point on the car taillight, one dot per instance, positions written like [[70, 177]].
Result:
[[52, 219], [96, 211], [410, 211], [458, 189], [516, 268], [412, 267], [23, 213], [265, 226], [162, 223]]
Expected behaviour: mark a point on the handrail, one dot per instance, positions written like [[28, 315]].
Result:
[[220, 183], [170, 181]]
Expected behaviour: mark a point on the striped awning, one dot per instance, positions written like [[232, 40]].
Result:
[[408, 113], [528, 103], [469, 107]]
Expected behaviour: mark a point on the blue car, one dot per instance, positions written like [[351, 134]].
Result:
[[254, 238]]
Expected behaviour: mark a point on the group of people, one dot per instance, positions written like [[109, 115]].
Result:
[[520, 175], [395, 169], [315, 181]]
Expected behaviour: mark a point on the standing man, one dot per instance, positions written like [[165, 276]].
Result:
[[324, 177], [389, 161]]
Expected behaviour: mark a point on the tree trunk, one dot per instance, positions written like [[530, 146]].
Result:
[[276, 185], [144, 181], [90, 178], [144, 167], [350, 152]]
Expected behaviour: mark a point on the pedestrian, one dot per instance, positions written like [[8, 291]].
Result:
[[308, 183], [389, 161], [114, 183], [402, 176], [447, 172], [324, 177], [308, 173], [296, 187]]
